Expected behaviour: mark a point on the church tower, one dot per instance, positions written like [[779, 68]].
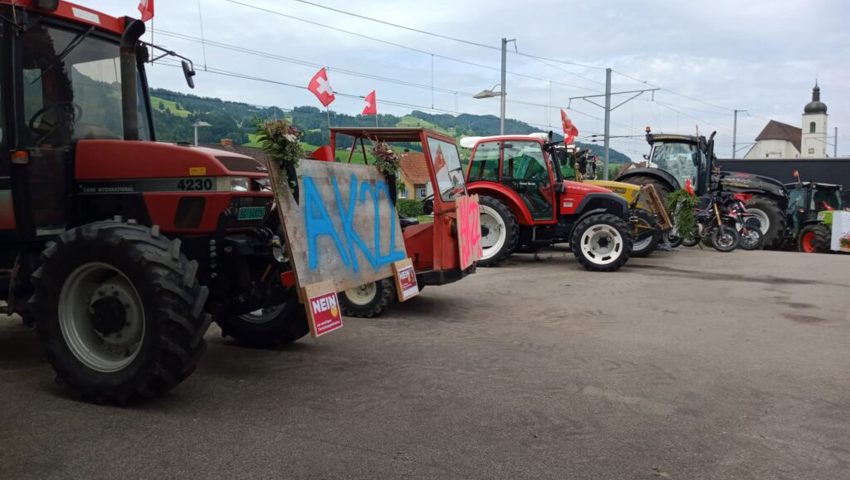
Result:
[[813, 144]]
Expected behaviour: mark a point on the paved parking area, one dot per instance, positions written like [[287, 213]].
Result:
[[687, 365]]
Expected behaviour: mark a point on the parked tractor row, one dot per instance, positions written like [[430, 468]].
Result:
[[122, 250]]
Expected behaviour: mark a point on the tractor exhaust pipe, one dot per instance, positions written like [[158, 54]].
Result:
[[133, 31]]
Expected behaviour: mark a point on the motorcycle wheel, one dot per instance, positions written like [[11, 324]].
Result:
[[751, 239], [724, 238]]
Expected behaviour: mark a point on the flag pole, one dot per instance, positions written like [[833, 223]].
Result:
[[328, 111]]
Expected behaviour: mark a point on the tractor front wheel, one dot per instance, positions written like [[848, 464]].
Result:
[[368, 300], [272, 326], [119, 311], [499, 231], [601, 242], [814, 238]]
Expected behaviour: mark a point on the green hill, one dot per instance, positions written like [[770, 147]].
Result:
[[174, 114]]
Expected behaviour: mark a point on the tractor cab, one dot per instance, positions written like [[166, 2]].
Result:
[[71, 75], [683, 157], [806, 201], [429, 174]]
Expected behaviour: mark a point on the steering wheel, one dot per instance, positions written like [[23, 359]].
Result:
[[428, 204], [51, 127]]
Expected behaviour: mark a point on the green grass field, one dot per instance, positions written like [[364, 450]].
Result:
[[170, 106]]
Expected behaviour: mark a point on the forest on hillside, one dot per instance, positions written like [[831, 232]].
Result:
[[174, 114]]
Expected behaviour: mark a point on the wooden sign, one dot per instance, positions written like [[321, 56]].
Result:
[[469, 229], [323, 311], [405, 280], [344, 227]]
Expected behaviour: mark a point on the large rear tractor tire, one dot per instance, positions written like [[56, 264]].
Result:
[[601, 242], [645, 233], [771, 218], [119, 311], [368, 300], [814, 238], [660, 187], [499, 231], [272, 326]]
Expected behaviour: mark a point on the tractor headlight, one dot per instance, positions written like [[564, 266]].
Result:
[[234, 184]]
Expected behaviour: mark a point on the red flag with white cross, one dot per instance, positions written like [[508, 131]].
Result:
[[146, 9], [570, 130], [321, 88], [371, 107]]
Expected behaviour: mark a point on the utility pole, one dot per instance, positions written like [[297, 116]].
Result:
[[607, 121], [608, 109], [835, 144], [735, 133], [504, 79]]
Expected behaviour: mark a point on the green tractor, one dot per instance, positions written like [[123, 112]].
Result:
[[810, 211]]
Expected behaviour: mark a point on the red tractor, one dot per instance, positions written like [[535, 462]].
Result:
[[432, 246], [526, 204], [121, 250]]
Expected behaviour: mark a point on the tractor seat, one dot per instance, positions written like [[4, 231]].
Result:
[[406, 222]]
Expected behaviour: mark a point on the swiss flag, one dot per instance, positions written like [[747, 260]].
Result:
[[371, 107], [439, 160], [570, 130], [146, 9], [321, 88]]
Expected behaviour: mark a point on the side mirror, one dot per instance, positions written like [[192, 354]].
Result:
[[645, 156], [188, 73]]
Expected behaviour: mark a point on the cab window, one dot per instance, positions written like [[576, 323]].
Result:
[[446, 163], [524, 161], [485, 162]]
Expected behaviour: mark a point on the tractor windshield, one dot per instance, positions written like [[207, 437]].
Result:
[[72, 87], [682, 160], [446, 161]]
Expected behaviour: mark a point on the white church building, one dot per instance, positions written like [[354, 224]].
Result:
[[780, 140]]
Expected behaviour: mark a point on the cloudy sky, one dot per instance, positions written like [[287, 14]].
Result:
[[708, 58]]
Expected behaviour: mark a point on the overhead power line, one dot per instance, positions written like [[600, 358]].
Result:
[[406, 47], [544, 60], [396, 25], [396, 103], [672, 91], [397, 81], [305, 63]]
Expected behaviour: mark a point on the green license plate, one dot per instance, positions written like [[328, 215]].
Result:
[[251, 213]]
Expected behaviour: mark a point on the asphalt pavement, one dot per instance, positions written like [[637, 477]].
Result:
[[689, 364]]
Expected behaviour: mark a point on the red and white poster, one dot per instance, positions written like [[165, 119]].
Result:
[[405, 280], [322, 308], [469, 229]]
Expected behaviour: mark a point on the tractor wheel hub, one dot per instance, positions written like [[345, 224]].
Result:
[[108, 315]]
